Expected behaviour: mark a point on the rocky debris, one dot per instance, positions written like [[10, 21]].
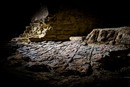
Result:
[[65, 56], [110, 36], [60, 60], [35, 32]]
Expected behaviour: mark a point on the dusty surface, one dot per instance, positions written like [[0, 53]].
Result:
[[89, 62]]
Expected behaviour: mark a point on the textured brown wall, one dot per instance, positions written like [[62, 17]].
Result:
[[70, 22], [73, 21]]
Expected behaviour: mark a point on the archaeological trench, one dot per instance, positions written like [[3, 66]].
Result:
[[66, 49]]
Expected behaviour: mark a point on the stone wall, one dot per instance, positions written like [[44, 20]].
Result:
[[60, 26], [72, 22], [111, 36]]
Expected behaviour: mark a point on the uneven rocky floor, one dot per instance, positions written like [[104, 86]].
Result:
[[103, 59], [69, 63], [68, 55]]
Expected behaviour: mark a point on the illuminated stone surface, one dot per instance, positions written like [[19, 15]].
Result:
[[111, 36], [76, 60]]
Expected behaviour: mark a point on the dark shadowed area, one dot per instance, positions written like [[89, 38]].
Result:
[[17, 14]]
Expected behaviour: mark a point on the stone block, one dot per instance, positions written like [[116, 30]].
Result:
[[77, 38]]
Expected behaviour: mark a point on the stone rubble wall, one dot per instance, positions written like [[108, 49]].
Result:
[[110, 36]]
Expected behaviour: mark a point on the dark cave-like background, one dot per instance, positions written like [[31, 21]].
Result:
[[17, 15]]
